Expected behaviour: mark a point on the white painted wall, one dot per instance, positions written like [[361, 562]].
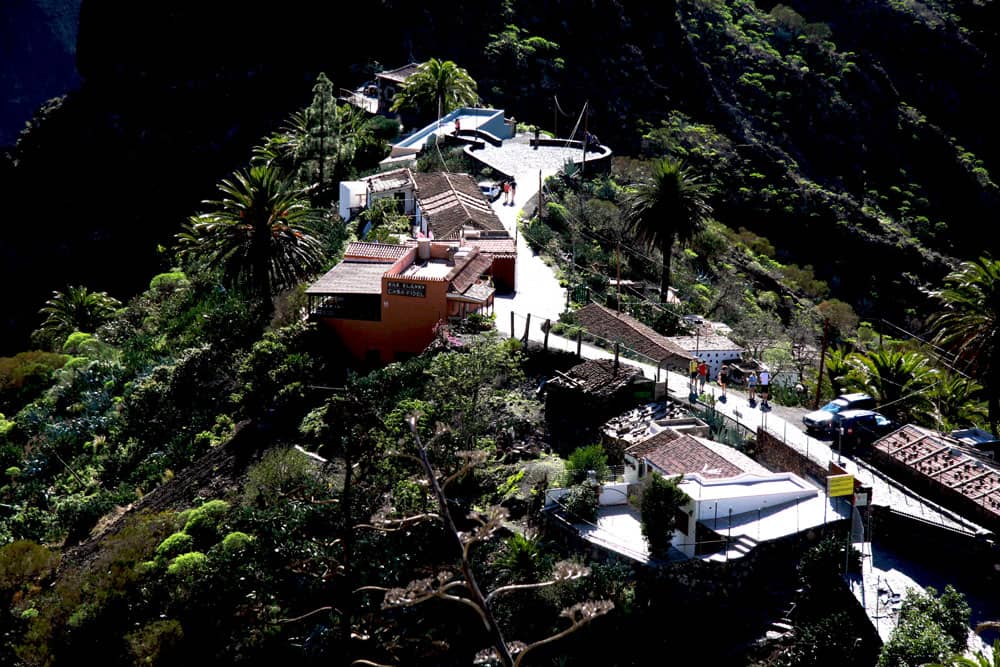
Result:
[[612, 493], [352, 195]]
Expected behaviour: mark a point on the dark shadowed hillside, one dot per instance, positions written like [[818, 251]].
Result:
[[855, 136]]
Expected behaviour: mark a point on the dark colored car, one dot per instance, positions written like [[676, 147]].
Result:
[[860, 427], [821, 421]]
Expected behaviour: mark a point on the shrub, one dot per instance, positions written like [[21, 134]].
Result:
[[176, 544], [203, 522], [822, 565], [169, 281], [582, 502], [23, 562], [188, 565], [586, 459], [152, 643], [25, 375], [79, 513], [521, 557], [917, 640], [660, 502], [236, 542], [279, 471], [949, 610]]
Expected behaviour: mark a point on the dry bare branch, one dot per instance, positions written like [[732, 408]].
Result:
[[392, 525], [579, 615]]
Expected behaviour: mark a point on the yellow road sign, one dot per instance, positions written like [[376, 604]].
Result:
[[839, 485]]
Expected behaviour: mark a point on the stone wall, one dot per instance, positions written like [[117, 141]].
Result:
[[776, 455]]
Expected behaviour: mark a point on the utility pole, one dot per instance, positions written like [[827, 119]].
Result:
[[555, 118], [583, 165], [541, 200], [618, 276]]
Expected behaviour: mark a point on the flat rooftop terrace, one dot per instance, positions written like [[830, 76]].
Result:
[[432, 268]]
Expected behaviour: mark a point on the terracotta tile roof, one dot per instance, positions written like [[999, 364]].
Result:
[[351, 278], [384, 252], [640, 449], [468, 272], [400, 74], [495, 246], [632, 333], [452, 201], [677, 454]]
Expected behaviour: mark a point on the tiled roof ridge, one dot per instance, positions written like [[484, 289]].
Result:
[[388, 252], [422, 279], [643, 329], [461, 201]]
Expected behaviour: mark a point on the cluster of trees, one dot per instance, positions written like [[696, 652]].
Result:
[[646, 208]]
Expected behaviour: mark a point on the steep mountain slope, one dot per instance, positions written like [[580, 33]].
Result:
[[855, 136]]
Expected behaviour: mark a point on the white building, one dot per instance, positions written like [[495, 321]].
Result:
[[713, 348], [356, 196]]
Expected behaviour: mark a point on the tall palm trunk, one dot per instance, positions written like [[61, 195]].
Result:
[[666, 248], [261, 265]]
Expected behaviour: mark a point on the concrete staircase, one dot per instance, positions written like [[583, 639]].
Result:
[[739, 547]]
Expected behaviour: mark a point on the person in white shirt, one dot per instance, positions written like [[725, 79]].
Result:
[[765, 380]]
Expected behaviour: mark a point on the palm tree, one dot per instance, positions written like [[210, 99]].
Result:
[[669, 206], [969, 325], [438, 86], [838, 365], [260, 234], [899, 381], [956, 401], [76, 309]]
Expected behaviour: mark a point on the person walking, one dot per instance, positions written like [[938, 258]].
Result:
[[752, 386], [513, 189], [693, 375], [765, 381], [506, 192], [702, 374], [724, 379]]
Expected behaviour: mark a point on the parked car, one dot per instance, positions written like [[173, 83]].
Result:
[[858, 428], [490, 190], [821, 421]]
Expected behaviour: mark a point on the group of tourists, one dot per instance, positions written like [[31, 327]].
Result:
[[698, 376]]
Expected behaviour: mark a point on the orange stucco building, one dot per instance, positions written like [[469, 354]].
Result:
[[385, 301]]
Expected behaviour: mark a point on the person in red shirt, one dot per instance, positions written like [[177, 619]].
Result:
[[702, 374]]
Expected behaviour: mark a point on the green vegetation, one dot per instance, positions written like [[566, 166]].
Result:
[[930, 628], [670, 206], [198, 475], [660, 502], [261, 235], [436, 88], [76, 309], [584, 460], [969, 324]]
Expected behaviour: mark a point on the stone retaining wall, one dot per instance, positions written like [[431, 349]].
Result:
[[776, 455]]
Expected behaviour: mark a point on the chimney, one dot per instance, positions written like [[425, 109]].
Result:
[[451, 255], [423, 249]]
